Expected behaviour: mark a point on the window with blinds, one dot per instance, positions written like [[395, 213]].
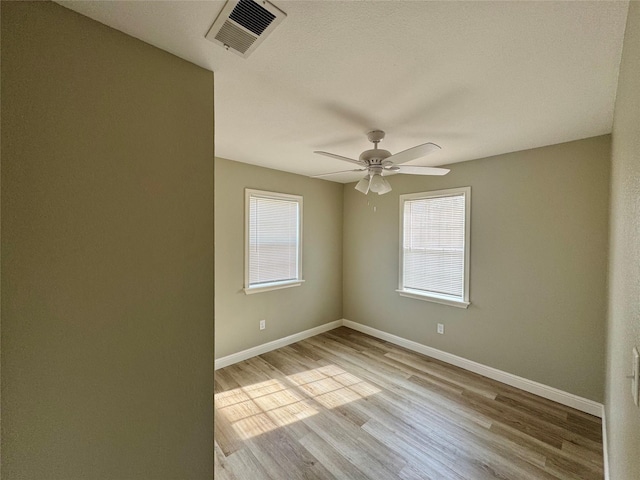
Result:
[[273, 240], [434, 257]]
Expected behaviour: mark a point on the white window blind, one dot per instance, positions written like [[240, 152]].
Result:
[[434, 244], [273, 238]]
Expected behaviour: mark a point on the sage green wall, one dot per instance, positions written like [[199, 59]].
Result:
[[290, 310], [623, 330], [538, 265], [107, 253]]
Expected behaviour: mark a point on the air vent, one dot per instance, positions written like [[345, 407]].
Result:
[[252, 16], [244, 24]]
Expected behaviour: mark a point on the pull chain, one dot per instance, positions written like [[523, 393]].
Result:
[[372, 204]]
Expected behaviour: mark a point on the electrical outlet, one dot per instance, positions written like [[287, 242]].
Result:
[[441, 328], [635, 373], [263, 324]]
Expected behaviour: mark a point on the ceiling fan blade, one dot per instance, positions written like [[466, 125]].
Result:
[[336, 173], [419, 170], [413, 153], [340, 157]]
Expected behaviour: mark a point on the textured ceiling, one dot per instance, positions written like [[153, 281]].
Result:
[[477, 78]]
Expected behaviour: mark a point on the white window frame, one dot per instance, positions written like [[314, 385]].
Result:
[[461, 302], [248, 289]]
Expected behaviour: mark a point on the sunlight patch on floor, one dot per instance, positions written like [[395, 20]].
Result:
[[331, 386], [262, 407]]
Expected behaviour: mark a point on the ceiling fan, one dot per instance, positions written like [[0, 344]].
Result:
[[376, 162]]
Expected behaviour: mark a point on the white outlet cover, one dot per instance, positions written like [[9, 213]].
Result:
[[441, 328], [635, 372]]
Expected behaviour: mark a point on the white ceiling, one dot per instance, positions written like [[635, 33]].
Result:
[[477, 78]]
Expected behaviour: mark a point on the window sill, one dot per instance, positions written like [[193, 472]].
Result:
[[444, 300], [273, 286]]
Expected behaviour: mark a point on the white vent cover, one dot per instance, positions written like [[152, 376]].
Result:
[[243, 24]]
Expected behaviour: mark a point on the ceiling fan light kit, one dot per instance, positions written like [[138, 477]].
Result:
[[379, 185], [377, 161], [363, 185]]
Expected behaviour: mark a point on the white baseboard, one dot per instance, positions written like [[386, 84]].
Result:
[[267, 347], [605, 448], [564, 398]]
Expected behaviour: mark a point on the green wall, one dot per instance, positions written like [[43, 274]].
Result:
[[107, 253], [538, 267], [623, 330], [287, 311]]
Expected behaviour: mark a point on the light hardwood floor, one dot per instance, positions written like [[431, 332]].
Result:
[[346, 405]]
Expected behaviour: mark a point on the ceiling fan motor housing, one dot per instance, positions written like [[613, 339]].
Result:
[[375, 156]]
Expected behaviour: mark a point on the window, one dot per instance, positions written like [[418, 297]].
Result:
[[273, 241], [434, 239]]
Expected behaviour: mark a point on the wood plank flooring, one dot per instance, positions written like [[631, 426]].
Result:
[[344, 405]]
